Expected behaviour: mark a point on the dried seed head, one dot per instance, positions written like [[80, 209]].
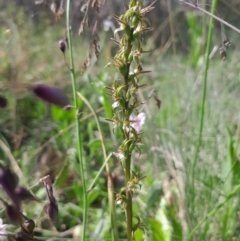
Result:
[[3, 101], [23, 194], [86, 63], [13, 214], [50, 95], [223, 54], [52, 207], [62, 45], [52, 210], [29, 226], [96, 5], [226, 43], [96, 46], [157, 101]]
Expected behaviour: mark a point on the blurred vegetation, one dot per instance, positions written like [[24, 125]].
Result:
[[41, 139]]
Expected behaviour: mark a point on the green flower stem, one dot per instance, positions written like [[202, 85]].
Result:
[[202, 111], [126, 137], [79, 139], [129, 198], [111, 200], [133, 23]]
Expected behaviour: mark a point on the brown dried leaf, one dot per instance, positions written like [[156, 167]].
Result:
[[57, 10], [96, 47], [84, 7], [43, 3], [222, 53], [94, 31], [86, 63], [157, 101], [81, 28], [53, 8], [96, 5]]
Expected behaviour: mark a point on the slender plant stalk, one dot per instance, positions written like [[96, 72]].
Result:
[[111, 200], [128, 156], [13, 162], [129, 199], [133, 23], [91, 186], [79, 139], [202, 111]]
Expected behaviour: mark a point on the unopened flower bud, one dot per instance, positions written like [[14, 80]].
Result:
[[50, 95], [3, 101], [52, 210], [8, 181], [8, 178], [13, 214], [23, 194], [135, 21], [62, 45], [29, 226]]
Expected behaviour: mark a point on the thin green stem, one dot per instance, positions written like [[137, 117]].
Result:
[[129, 197], [111, 201], [202, 111], [91, 186], [125, 96], [13, 162], [79, 139], [126, 116]]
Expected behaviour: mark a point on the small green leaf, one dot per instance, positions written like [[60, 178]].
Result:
[[138, 235]]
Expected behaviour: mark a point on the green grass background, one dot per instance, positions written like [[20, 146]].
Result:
[[29, 53]]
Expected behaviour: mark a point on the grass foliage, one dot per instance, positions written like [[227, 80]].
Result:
[[41, 139]]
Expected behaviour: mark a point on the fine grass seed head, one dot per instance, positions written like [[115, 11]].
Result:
[[52, 207]]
